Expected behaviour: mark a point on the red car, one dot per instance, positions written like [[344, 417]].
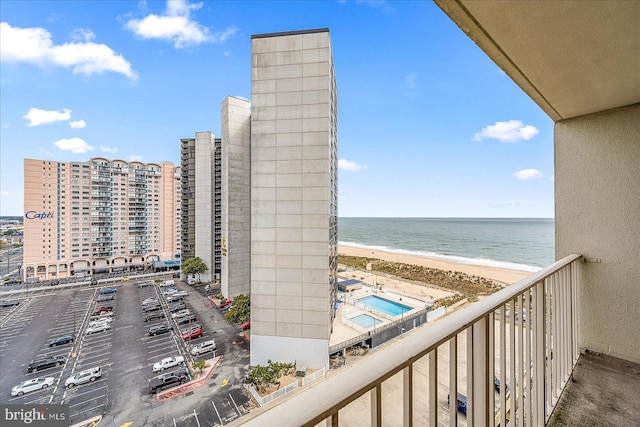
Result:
[[192, 334], [102, 310], [226, 303], [246, 325]]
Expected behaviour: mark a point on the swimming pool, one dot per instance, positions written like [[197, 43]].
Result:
[[387, 306], [365, 320]]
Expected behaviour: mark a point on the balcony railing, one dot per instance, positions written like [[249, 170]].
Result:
[[509, 356]]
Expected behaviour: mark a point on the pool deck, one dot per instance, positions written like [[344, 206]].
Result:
[[396, 290]]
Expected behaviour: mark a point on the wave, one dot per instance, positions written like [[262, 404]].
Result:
[[459, 259]]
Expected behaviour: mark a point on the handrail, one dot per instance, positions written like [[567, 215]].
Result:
[[343, 388]]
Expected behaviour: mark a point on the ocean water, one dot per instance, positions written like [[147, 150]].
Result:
[[515, 243]]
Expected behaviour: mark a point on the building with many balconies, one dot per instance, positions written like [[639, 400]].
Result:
[[100, 216]]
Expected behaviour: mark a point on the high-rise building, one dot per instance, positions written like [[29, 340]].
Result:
[[293, 196], [236, 197], [98, 216], [201, 201]]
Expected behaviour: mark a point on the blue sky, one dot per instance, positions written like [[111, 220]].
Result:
[[428, 125]]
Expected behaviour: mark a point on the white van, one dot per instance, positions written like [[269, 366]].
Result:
[[168, 283]]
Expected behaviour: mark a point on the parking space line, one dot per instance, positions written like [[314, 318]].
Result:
[[87, 410]]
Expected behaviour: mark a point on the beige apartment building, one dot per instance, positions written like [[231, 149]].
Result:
[[99, 216], [293, 197]]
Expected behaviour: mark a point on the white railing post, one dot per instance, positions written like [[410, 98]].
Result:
[[453, 381], [407, 396], [433, 388], [480, 362]]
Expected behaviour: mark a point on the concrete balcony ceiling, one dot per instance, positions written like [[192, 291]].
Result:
[[571, 57]]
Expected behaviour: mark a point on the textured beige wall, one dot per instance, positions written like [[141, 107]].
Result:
[[291, 163], [236, 197], [597, 179]]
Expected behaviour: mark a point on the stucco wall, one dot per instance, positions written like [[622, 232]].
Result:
[[597, 180]]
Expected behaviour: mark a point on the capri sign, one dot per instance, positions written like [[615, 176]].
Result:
[[38, 215]]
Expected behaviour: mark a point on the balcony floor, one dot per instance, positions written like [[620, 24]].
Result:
[[605, 391]]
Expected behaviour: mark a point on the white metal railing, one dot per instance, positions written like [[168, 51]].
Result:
[[312, 377], [528, 355], [263, 400]]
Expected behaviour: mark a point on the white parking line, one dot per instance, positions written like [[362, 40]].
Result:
[[87, 410]]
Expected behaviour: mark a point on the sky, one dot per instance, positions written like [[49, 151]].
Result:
[[428, 125]]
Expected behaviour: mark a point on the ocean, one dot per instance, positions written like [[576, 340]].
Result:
[[514, 243]]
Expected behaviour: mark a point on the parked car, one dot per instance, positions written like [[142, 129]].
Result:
[[153, 316], [174, 298], [169, 291], [145, 284], [496, 385], [225, 303], [101, 321], [61, 340], [167, 380], [177, 307], [150, 300], [246, 325], [9, 303], [150, 308], [462, 403], [191, 334], [32, 385], [203, 347], [100, 327], [102, 314], [88, 375], [103, 298], [54, 282], [44, 363], [191, 281], [186, 319], [160, 329], [181, 313], [107, 291], [180, 294], [101, 310], [167, 362]]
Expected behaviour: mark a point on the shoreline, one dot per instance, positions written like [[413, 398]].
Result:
[[489, 272]]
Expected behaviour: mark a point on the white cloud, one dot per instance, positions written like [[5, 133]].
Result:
[[411, 80], [82, 35], [78, 124], [108, 149], [506, 204], [39, 117], [75, 145], [349, 165], [510, 131], [176, 25], [34, 46], [526, 174], [134, 158]]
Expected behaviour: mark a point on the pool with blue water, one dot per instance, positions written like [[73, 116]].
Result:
[[386, 306]]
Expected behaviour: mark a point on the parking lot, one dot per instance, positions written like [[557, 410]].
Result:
[[125, 353]]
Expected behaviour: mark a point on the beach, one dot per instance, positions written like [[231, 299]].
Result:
[[501, 274]]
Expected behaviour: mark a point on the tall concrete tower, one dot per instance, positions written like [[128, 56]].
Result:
[[236, 197], [293, 197]]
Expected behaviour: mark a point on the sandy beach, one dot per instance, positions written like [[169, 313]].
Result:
[[495, 273]]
